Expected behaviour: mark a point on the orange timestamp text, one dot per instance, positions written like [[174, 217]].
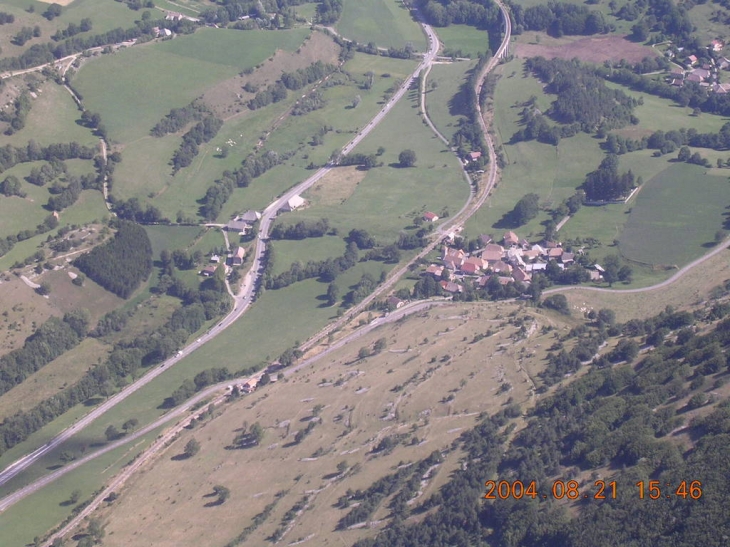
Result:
[[601, 490]]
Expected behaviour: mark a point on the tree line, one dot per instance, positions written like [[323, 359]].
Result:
[[252, 167], [178, 118], [290, 81], [52, 339], [203, 131], [72, 30], [121, 264], [301, 230]]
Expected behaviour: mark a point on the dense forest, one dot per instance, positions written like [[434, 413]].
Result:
[[615, 423], [123, 263], [560, 18]]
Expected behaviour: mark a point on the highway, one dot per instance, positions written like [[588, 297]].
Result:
[[242, 301]]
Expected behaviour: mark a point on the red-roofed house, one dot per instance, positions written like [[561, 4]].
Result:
[[470, 268], [501, 267], [555, 252], [456, 256], [717, 45], [208, 271], [521, 276], [435, 270], [430, 217], [692, 59], [473, 156]]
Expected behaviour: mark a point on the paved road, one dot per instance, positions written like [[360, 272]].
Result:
[[242, 301], [720, 248]]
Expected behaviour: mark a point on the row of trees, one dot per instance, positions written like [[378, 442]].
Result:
[[178, 118], [202, 132], [72, 30], [123, 263], [48, 224], [327, 270], [290, 80], [252, 167], [52, 339], [301, 230]]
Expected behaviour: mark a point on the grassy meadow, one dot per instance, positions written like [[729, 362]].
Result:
[[469, 41], [388, 23], [191, 64], [442, 102]]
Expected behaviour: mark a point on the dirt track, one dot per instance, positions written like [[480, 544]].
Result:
[[594, 50]]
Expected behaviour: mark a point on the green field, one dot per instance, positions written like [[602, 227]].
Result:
[[112, 85], [314, 248], [469, 41], [675, 216], [551, 172], [443, 110], [388, 23], [388, 197], [52, 119]]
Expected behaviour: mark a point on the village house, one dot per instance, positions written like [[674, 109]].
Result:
[[510, 238], [208, 271], [472, 156], [450, 286], [238, 226], [215, 258], [692, 60], [485, 239], [250, 386], [238, 256], [492, 253], [471, 266], [430, 217], [521, 275], [567, 258], [500, 267], [435, 270], [293, 203], [717, 45], [453, 258], [250, 216]]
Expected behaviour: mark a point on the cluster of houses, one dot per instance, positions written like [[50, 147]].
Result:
[[243, 223], [514, 260], [706, 74]]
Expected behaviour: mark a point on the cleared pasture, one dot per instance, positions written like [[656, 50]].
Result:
[[191, 64], [388, 23], [468, 40], [386, 200], [676, 216], [430, 383], [443, 102]]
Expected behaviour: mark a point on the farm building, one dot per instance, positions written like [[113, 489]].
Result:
[[293, 203], [238, 256], [208, 271], [430, 217]]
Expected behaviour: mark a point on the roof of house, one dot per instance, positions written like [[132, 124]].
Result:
[[250, 216], [567, 257], [209, 270], [295, 201], [701, 72], [435, 269], [521, 275], [483, 280], [431, 217], [240, 253], [555, 252], [454, 254], [485, 239], [511, 238], [450, 286], [500, 266], [470, 268], [694, 77], [475, 155], [692, 58], [237, 225]]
